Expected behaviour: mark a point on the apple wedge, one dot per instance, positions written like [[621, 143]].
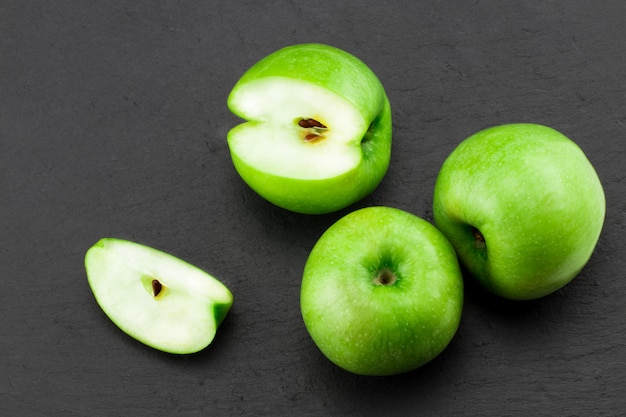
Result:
[[154, 297], [318, 130]]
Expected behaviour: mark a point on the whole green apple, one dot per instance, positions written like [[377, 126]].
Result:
[[154, 297], [382, 292], [318, 130], [523, 207]]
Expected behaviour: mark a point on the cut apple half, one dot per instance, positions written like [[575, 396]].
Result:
[[156, 298], [316, 135], [296, 129]]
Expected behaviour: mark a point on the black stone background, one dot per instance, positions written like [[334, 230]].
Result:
[[113, 123]]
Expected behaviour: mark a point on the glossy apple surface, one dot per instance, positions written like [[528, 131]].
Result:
[[318, 131], [523, 207], [382, 292], [154, 297]]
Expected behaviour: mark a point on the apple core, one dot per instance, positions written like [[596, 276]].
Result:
[[153, 286], [313, 130]]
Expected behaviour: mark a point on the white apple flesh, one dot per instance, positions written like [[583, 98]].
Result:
[[284, 144]]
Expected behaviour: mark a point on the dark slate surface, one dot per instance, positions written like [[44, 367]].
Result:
[[113, 123]]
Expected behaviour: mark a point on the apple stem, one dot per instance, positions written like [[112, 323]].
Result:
[[479, 240], [156, 287]]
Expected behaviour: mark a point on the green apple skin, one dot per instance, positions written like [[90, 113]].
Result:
[[382, 292], [523, 207], [184, 315], [340, 74]]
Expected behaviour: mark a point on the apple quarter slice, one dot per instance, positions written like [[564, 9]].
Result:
[[156, 298]]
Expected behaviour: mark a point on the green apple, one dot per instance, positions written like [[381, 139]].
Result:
[[156, 298], [382, 292], [318, 131], [523, 207]]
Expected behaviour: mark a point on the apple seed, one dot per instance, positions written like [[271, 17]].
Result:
[[312, 137], [309, 123], [156, 287]]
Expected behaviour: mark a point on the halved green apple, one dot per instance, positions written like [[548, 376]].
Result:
[[156, 298], [318, 130]]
